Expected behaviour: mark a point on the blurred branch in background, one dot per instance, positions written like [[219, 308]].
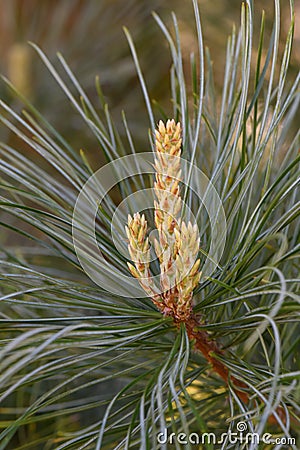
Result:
[[90, 36]]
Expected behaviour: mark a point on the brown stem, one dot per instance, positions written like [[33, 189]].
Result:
[[209, 348]]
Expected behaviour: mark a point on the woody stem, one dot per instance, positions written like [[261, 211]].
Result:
[[209, 349]]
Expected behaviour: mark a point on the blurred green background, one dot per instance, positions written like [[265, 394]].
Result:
[[90, 36]]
